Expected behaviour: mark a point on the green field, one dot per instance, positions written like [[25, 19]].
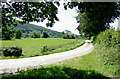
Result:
[[34, 46]]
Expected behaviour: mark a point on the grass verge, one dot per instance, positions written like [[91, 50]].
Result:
[[89, 66], [33, 47]]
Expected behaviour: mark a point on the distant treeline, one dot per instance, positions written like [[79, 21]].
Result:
[[34, 31], [30, 30]]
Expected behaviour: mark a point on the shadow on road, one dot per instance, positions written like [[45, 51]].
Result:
[[57, 72]]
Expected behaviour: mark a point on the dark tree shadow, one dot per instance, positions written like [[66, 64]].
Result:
[[57, 72]]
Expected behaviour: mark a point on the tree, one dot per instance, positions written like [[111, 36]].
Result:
[[62, 34], [68, 36], [18, 34], [99, 14], [95, 17], [45, 34], [36, 34], [28, 12], [72, 36], [7, 33], [87, 26]]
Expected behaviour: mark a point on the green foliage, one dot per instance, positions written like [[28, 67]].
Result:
[[45, 34], [39, 11], [7, 33], [107, 49], [68, 36], [95, 17], [93, 38], [35, 34], [89, 27], [109, 58], [44, 49], [108, 38], [28, 12], [28, 29], [12, 51], [18, 34], [72, 36]]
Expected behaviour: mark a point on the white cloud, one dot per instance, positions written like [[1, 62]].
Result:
[[115, 24], [66, 20]]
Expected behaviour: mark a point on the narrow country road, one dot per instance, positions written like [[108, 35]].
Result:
[[13, 65]]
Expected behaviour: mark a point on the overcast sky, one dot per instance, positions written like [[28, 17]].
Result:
[[66, 21]]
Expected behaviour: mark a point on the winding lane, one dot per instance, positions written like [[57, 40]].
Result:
[[13, 65]]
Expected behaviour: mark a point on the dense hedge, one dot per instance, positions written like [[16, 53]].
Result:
[[107, 43], [108, 38], [12, 51], [106, 49]]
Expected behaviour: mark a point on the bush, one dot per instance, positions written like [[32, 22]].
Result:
[[18, 34], [93, 39], [12, 51], [108, 38], [68, 36], [107, 44], [45, 34], [36, 34], [44, 49]]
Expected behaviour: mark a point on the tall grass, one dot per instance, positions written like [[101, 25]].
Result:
[[106, 44]]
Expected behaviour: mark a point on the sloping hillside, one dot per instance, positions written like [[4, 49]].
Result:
[[27, 28]]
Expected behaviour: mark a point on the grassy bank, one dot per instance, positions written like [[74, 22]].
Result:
[[107, 50], [85, 67], [89, 66], [34, 47]]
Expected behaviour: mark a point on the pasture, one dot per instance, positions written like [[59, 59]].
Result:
[[34, 46]]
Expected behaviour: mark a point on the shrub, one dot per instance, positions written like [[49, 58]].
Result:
[[18, 34], [107, 44], [93, 39], [12, 51], [36, 34], [44, 49], [45, 34], [68, 36], [108, 38]]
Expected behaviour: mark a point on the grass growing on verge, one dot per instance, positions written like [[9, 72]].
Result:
[[33, 47], [85, 67], [89, 66]]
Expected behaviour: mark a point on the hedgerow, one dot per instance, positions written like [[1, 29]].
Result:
[[106, 48]]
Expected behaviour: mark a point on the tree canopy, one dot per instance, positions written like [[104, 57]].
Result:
[[93, 17], [27, 12]]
